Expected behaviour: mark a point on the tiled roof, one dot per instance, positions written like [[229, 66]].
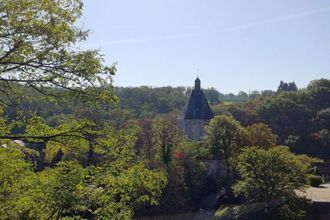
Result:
[[198, 107]]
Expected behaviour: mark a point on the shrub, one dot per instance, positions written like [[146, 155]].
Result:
[[243, 211], [315, 180]]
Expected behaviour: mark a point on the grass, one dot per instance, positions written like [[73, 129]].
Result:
[[228, 102]]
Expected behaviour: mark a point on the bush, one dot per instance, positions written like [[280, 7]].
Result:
[[315, 180], [274, 210], [243, 211]]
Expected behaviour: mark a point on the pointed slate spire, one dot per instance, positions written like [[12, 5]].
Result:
[[197, 84], [198, 107]]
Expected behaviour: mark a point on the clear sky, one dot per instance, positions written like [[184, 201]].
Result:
[[233, 44]]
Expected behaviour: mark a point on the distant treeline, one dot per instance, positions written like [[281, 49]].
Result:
[[146, 101], [150, 101]]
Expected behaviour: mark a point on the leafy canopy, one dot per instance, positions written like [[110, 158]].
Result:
[[269, 175], [37, 49]]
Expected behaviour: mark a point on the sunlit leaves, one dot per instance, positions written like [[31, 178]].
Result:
[[260, 135], [70, 190], [37, 49], [269, 174]]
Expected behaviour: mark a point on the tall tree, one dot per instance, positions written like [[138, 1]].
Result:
[[37, 49], [287, 87], [272, 176], [225, 137], [167, 136], [39, 59]]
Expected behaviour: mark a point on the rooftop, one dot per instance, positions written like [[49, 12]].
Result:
[[198, 106]]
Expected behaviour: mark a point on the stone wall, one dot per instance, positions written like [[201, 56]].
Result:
[[192, 128]]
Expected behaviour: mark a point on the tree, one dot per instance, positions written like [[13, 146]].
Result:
[[272, 177], [254, 94], [285, 116], [324, 118], [242, 96], [212, 96], [225, 137], [145, 142], [111, 190], [287, 87], [37, 49], [318, 91], [166, 137], [267, 93], [260, 135], [14, 173], [191, 156], [39, 61], [323, 137]]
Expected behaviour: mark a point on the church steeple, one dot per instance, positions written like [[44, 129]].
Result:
[[197, 84], [196, 113], [198, 107]]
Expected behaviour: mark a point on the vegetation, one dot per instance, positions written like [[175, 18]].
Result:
[[269, 175], [298, 118], [70, 150], [225, 137], [37, 39], [99, 176], [260, 135], [272, 177], [245, 211], [315, 180]]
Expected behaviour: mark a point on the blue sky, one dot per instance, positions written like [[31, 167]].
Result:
[[233, 44]]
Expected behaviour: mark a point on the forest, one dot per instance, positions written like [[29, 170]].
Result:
[[75, 146]]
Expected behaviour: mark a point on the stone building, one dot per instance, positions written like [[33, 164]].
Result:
[[196, 114]]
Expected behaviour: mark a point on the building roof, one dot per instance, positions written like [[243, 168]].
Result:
[[198, 107]]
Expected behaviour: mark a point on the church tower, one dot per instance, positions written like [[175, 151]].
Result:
[[196, 113]]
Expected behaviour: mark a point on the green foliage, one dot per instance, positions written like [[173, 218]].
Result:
[[70, 190], [287, 87], [225, 137], [57, 99], [323, 137], [166, 137], [191, 156], [245, 211], [17, 199], [245, 113], [184, 163], [298, 118], [60, 187], [273, 210], [285, 116], [37, 49], [269, 176], [13, 178], [315, 181], [260, 135], [319, 92], [116, 145], [122, 191], [145, 141], [148, 102]]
